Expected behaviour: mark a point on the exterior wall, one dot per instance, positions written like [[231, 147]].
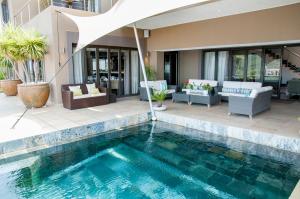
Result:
[[189, 65], [62, 33], [272, 25], [266, 26], [156, 61]]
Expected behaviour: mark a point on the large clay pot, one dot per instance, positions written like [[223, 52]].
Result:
[[9, 87], [34, 95]]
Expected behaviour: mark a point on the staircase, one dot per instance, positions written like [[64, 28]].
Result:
[[293, 67], [290, 65]]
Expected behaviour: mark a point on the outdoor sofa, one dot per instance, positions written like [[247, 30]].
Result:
[[294, 87], [159, 85], [258, 101], [237, 88], [85, 100]]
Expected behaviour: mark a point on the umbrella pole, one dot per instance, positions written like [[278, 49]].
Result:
[[144, 72]]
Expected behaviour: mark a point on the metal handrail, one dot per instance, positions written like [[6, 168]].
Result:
[[292, 52], [27, 7]]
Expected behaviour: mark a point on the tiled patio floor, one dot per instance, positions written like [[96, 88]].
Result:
[[282, 119], [55, 117]]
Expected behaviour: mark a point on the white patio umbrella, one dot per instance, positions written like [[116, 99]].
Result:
[[124, 13]]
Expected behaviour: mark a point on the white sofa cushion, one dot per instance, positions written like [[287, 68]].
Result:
[[251, 85], [247, 85], [88, 96], [199, 82], [156, 85], [256, 91]]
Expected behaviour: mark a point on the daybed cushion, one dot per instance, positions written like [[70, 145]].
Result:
[[88, 96]]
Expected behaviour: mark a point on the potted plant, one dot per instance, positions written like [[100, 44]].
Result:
[[69, 3], [208, 88], [9, 71], [150, 73], [159, 97], [25, 49], [187, 87]]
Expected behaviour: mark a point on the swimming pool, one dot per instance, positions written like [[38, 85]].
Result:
[[152, 160]]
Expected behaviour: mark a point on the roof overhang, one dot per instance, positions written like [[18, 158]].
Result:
[[209, 10], [123, 13]]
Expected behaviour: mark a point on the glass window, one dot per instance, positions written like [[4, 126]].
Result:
[[91, 65], [272, 65], [5, 12], [238, 65], [254, 65], [209, 65], [223, 57], [103, 67]]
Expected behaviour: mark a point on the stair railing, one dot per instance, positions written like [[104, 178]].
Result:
[[292, 52]]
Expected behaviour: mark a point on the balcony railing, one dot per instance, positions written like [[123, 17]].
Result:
[[33, 7]]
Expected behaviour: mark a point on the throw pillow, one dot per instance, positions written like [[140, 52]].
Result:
[[90, 87], [94, 91], [75, 90]]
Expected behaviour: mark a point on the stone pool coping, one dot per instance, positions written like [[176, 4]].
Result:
[[47, 140], [41, 141], [257, 137], [296, 192]]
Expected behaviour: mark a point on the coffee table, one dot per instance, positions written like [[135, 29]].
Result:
[[180, 97], [205, 99]]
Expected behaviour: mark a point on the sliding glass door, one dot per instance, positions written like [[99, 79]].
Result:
[[171, 67], [91, 66], [254, 65], [116, 69], [238, 65], [272, 73], [103, 67]]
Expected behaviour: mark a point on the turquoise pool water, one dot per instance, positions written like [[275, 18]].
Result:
[[151, 161]]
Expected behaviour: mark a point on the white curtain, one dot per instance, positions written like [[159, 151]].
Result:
[[78, 67], [223, 66], [209, 65], [126, 72], [134, 72]]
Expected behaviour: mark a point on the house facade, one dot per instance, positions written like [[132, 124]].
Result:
[[246, 41]]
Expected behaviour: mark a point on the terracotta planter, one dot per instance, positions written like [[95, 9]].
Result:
[[9, 87], [34, 95]]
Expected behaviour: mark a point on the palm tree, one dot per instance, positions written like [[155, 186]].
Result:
[[5, 68], [9, 46], [34, 48], [19, 46]]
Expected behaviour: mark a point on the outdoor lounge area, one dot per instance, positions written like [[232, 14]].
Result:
[[283, 119], [183, 99]]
